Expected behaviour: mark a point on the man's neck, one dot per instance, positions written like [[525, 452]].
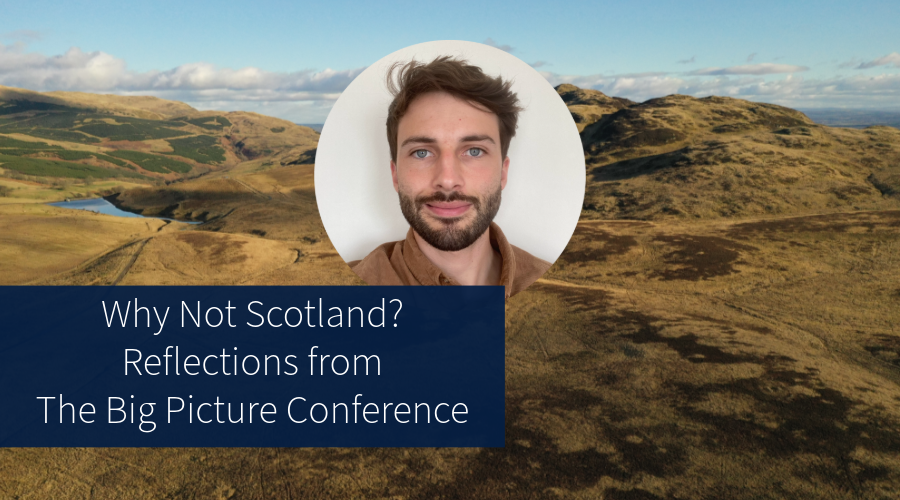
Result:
[[477, 264]]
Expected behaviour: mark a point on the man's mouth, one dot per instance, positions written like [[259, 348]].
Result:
[[448, 209]]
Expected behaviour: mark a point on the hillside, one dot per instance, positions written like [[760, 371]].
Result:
[[587, 106], [739, 342], [78, 144], [689, 158], [680, 157]]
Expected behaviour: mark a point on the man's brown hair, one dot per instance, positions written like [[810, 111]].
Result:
[[458, 78]]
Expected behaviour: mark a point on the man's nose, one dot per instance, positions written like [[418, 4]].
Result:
[[448, 176]]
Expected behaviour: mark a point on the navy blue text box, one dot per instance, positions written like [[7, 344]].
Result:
[[346, 366]]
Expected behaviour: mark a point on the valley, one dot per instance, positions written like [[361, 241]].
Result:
[[723, 323]]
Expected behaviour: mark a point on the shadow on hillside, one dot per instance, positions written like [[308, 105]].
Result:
[[795, 415], [637, 167]]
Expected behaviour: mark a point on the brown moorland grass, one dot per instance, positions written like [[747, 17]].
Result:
[[686, 158], [753, 355], [768, 370], [38, 241]]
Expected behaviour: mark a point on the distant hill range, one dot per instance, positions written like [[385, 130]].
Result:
[[853, 118], [140, 139], [315, 126], [684, 157], [675, 156]]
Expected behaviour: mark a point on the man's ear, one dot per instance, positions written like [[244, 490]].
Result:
[[394, 176], [503, 172]]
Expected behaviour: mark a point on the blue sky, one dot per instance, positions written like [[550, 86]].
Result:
[[292, 59]]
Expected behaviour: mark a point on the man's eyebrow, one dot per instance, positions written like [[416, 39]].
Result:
[[476, 138], [421, 139]]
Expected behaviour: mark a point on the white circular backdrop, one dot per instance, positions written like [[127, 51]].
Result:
[[544, 192]]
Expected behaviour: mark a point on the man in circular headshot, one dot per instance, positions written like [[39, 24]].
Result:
[[449, 128]]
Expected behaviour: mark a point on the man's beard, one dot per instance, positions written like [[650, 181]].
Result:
[[451, 237]]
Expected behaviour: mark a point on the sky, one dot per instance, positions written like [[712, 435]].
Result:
[[293, 59]]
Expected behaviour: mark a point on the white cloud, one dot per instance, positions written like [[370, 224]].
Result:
[[643, 74], [306, 96], [857, 91], [506, 48], [99, 71], [638, 87], [194, 83], [893, 59], [752, 69]]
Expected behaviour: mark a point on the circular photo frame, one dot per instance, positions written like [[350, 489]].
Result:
[[543, 197]]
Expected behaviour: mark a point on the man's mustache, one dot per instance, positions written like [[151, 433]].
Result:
[[447, 197]]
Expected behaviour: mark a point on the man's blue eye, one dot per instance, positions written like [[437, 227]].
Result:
[[475, 152], [421, 153]]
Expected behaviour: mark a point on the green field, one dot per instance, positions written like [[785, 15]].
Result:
[[54, 168], [86, 126], [18, 152], [58, 135], [62, 123], [153, 163], [65, 120], [209, 122], [14, 147], [200, 148], [74, 155], [12, 107], [9, 142], [129, 131], [56, 125], [69, 155], [114, 161]]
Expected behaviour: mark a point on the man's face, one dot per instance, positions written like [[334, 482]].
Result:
[[449, 171]]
